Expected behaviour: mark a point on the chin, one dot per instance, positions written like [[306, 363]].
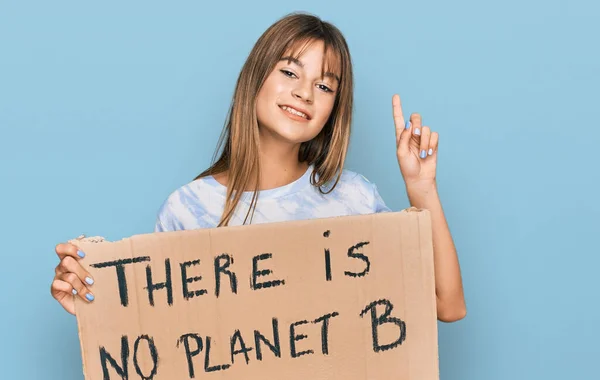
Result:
[[289, 129], [290, 136]]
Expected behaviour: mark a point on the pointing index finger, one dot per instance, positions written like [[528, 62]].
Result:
[[398, 116]]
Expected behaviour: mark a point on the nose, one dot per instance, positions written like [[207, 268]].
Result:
[[303, 92]]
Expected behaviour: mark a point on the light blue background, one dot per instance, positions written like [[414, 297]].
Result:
[[106, 107]]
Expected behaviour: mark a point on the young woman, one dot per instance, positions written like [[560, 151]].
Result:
[[284, 148]]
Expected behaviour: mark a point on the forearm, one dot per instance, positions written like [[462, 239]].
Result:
[[448, 282]]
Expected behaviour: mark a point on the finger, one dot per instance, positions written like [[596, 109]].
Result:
[[424, 146], [415, 120], [433, 143], [59, 285], [68, 249], [60, 291], [404, 143], [398, 116], [77, 287], [71, 265]]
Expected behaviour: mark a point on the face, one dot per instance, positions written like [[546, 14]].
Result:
[[295, 101]]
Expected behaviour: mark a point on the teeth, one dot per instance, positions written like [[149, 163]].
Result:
[[294, 112]]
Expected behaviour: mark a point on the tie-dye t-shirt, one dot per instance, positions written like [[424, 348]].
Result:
[[200, 203]]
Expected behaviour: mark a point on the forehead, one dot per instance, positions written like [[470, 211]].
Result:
[[307, 51]]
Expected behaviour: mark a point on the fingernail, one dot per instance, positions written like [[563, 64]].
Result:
[[89, 280], [74, 291], [417, 131], [407, 124], [89, 296], [423, 154], [81, 254]]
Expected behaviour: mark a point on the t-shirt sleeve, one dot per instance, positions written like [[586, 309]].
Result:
[[375, 202], [379, 204], [159, 226], [167, 218], [189, 207]]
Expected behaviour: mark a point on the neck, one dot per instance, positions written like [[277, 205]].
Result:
[[279, 165]]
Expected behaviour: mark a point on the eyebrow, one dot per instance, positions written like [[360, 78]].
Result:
[[297, 62]]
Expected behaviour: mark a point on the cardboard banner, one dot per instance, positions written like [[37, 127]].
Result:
[[339, 298]]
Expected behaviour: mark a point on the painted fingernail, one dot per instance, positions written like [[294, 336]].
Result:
[[407, 124], [423, 153], [417, 131], [89, 280], [74, 291], [81, 254], [430, 151], [89, 296]]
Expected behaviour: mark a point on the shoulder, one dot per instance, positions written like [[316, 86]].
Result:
[[196, 204], [355, 188], [351, 180]]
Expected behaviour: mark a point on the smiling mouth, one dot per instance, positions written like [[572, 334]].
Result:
[[295, 112]]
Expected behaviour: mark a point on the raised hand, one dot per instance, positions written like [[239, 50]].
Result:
[[416, 146]]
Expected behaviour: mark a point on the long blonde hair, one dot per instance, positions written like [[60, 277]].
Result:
[[239, 140]]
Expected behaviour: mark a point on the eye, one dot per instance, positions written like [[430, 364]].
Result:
[[325, 88], [288, 73]]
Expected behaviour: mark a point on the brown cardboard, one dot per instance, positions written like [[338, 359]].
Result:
[[292, 290]]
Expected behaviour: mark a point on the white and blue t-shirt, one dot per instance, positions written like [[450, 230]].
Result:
[[200, 203]]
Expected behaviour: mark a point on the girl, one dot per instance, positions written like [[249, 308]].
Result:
[[285, 143]]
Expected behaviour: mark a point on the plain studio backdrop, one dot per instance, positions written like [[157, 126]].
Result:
[[107, 107]]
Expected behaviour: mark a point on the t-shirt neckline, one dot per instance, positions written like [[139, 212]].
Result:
[[276, 192]]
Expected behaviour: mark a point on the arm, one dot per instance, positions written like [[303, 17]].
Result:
[[417, 152], [448, 283]]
